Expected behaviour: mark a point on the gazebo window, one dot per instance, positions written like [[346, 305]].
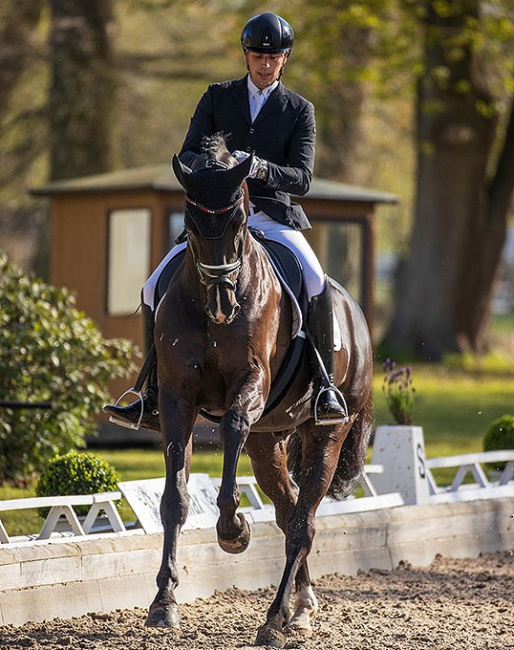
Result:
[[128, 259], [175, 226], [339, 247]]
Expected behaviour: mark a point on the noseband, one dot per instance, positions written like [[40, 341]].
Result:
[[211, 275]]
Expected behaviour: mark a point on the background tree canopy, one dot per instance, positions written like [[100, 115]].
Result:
[[411, 97]]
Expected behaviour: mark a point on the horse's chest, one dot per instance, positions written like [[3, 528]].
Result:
[[224, 365], [223, 359]]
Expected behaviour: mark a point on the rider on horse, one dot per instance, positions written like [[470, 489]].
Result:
[[262, 116]]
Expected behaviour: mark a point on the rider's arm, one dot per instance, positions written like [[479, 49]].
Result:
[[202, 123], [296, 176]]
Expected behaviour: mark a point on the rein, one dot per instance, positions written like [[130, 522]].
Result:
[[214, 274]]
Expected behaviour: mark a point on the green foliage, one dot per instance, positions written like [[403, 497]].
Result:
[[49, 351], [399, 391], [76, 473], [500, 435]]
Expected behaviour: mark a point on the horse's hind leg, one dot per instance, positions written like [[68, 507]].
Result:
[[306, 604], [321, 447], [269, 463]]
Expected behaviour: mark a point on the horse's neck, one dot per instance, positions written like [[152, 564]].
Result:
[[191, 278], [255, 259]]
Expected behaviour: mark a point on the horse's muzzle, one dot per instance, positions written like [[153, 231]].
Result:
[[222, 306]]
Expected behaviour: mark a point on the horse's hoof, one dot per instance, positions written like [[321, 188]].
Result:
[[295, 629], [240, 543], [270, 636], [163, 616]]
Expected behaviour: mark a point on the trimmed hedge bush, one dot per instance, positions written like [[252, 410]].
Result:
[[77, 473], [500, 435]]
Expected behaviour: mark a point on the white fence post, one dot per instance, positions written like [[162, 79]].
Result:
[[401, 451]]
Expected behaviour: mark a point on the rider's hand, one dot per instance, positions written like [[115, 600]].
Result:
[[259, 168]]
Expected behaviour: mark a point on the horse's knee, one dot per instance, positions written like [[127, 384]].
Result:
[[233, 421]]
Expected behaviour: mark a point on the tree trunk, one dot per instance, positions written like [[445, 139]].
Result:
[[444, 289], [83, 89]]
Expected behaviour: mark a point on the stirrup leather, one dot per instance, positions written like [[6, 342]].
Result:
[[319, 421], [126, 423]]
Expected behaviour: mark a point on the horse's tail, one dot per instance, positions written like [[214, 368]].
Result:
[[353, 454], [351, 458]]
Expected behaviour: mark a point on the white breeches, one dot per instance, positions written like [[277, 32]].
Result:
[[313, 274]]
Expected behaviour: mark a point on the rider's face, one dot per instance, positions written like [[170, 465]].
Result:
[[264, 69]]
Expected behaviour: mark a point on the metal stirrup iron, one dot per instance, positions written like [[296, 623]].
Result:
[[137, 390], [328, 385], [126, 423], [327, 421]]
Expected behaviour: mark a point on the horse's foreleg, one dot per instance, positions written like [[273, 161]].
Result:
[[320, 456], [233, 530], [174, 507]]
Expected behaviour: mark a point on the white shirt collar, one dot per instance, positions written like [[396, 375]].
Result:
[[253, 90]]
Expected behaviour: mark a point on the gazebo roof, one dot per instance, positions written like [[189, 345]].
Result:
[[161, 178]]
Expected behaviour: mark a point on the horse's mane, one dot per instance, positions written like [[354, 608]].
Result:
[[215, 146]]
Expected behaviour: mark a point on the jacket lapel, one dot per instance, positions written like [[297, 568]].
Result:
[[240, 94]]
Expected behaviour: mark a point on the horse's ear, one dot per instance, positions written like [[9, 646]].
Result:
[[239, 172], [181, 172]]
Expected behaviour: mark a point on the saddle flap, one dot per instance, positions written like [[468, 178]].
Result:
[[285, 263]]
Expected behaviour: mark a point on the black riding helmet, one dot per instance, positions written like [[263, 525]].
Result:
[[267, 33]]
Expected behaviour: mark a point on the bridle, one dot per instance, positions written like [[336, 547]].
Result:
[[217, 274]]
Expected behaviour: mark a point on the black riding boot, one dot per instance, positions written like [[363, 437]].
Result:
[[330, 406], [146, 414]]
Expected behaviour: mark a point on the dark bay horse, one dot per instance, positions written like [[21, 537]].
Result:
[[222, 332]]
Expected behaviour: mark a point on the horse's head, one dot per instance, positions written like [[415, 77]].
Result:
[[215, 220]]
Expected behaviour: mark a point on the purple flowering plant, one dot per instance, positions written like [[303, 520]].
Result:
[[398, 391]]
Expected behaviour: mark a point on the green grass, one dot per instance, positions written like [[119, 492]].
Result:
[[134, 464], [454, 404]]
